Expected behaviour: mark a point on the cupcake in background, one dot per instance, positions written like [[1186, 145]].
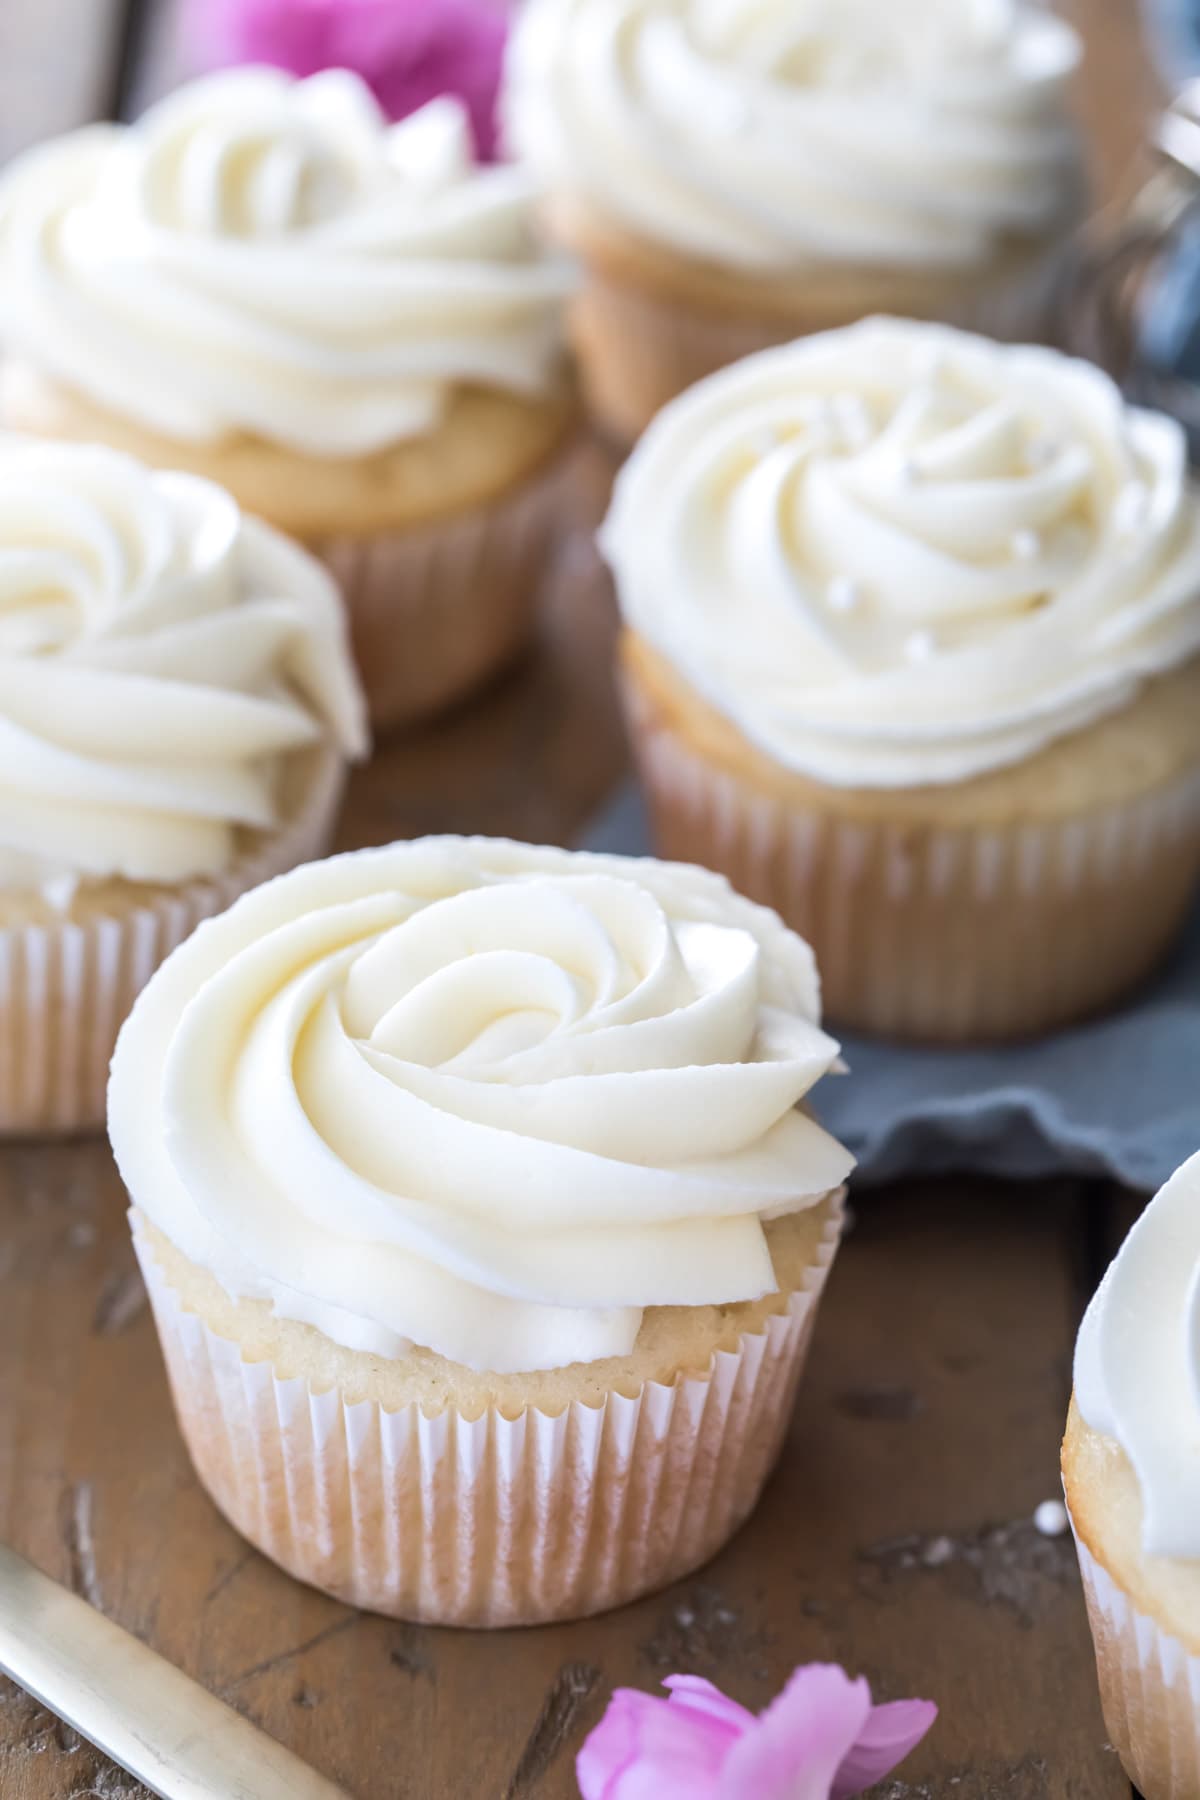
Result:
[[1131, 1472], [734, 176], [177, 706], [348, 324], [482, 1218], [912, 623]]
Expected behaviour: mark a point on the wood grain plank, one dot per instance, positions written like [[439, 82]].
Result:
[[896, 1537]]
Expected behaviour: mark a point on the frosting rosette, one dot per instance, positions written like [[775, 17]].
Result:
[[775, 134], [161, 658], [485, 1098], [899, 554], [269, 256], [1137, 1362]]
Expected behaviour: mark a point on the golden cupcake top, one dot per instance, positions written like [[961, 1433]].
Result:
[[269, 257], [479, 1096], [162, 657], [899, 554], [773, 134]]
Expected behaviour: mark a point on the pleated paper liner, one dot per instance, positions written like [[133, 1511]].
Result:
[[66, 985], [947, 935], [492, 1521], [639, 348], [437, 610], [1149, 1689]]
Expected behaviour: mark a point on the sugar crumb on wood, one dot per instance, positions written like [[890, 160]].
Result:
[[1010, 1565]]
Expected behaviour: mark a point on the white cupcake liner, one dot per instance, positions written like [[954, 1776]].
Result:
[[493, 1521], [945, 934], [437, 609], [1149, 1689], [67, 985]]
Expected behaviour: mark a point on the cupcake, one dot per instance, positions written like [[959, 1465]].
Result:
[[347, 324], [482, 1219], [1131, 1470], [910, 653], [177, 706], [732, 177]]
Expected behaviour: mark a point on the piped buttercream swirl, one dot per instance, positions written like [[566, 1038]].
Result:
[[1137, 1362], [776, 134], [161, 657], [899, 554], [268, 256], [487, 1098]]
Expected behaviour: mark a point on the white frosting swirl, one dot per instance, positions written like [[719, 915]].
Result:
[[773, 134], [268, 256], [1137, 1362], [160, 658], [484, 1097], [899, 554]]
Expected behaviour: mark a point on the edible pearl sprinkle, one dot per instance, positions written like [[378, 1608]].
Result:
[[1051, 1518], [1026, 545], [59, 891], [920, 646], [1040, 451], [1130, 508], [765, 439], [843, 594], [853, 418]]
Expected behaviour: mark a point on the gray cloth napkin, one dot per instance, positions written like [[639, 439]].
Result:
[[1117, 1097]]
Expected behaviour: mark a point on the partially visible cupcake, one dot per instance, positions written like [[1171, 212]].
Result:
[[347, 324], [177, 707], [482, 1218], [912, 623], [1131, 1470], [735, 176]]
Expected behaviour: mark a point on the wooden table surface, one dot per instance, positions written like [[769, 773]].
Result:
[[896, 1537]]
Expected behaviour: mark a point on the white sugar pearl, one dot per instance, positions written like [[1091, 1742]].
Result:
[[853, 419], [59, 891], [920, 647], [739, 117], [843, 594], [1026, 546], [1130, 509], [765, 440], [1040, 451], [1051, 1518]]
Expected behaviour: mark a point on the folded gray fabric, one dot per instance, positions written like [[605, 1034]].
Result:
[[1117, 1097]]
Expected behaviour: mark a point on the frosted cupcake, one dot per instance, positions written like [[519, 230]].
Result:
[[1131, 1468], [348, 325], [177, 705], [482, 1218], [734, 176], [912, 624]]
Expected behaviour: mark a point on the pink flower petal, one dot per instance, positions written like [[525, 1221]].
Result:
[[701, 1696], [645, 1748], [884, 1742], [795, 1749], [408, 53]]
